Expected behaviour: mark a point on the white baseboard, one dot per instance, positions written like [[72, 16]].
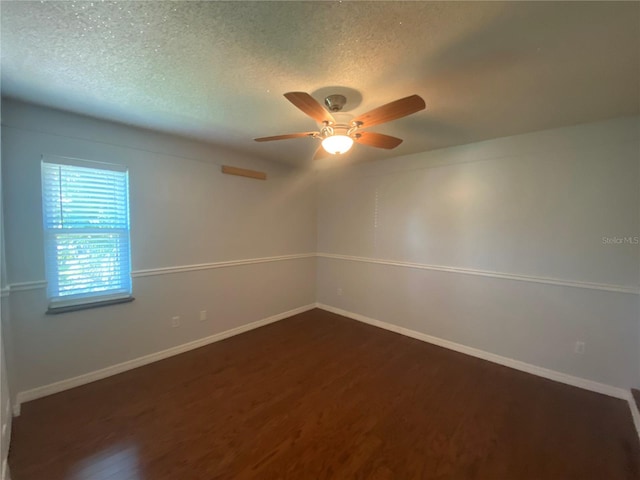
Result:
[[67, 384], [62, 385], [635, 414], [491, 357]]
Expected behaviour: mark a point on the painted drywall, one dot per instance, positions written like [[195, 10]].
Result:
[[549, 207], [184, 212], [5, 394], [5, 416], [535, 206]]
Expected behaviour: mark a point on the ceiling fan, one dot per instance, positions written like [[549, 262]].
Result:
[[338, 138]]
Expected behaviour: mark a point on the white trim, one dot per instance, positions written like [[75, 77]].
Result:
[[81, 162], [635, 414], [491, 357], [24, 286], [40, 284], [15, 408], [62, 385], [486, 273], [4, 292], [213, 265]]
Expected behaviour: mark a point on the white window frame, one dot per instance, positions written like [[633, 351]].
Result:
[[63, 303]]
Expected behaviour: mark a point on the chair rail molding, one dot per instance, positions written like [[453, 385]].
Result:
[[40, 284], [630, 289]]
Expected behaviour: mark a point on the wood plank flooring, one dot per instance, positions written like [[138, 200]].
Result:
[[319, 396]]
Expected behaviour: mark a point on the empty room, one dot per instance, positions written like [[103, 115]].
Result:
[[317, 240]]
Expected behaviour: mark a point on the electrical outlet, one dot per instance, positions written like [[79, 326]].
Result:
[[175, 322], [580, 347], [203, 315], [339, 292]]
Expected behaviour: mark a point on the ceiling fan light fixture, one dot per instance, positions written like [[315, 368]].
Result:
[[338, 135], [337, 144]]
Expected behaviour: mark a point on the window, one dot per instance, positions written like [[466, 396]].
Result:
[[86, 233]]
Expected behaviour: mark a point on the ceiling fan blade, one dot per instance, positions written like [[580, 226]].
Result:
[[391, 111], [378, 140], [285, 137], [310, 106]]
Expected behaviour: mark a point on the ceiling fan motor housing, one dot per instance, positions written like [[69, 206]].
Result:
[[335, 103]]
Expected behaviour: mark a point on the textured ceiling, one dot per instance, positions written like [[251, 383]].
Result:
[[217, 70]]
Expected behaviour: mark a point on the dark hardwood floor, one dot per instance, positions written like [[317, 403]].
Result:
[[318, 396]]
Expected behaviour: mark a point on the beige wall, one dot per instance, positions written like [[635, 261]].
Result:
[[496, 245], [184, 212], [5, 415], [5, 337], [506, 238]]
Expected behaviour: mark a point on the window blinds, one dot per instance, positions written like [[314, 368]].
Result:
[[86, 227]]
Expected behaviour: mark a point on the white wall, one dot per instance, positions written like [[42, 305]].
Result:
[[5, 416], [497, 245], [506, 241], [184, 212], [5, 395]]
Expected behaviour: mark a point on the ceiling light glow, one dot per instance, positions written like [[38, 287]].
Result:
[[337, 144]]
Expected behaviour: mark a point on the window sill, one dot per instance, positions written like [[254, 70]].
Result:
[[86, 306]]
